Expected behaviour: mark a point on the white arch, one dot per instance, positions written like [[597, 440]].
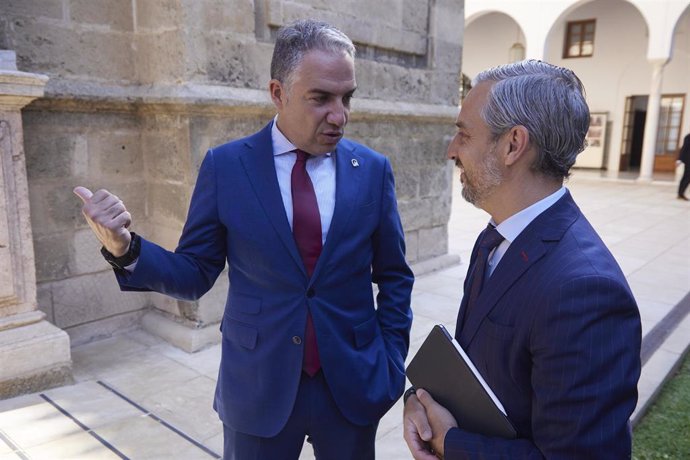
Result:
[[534, 17], [662, 18], [537, 17]]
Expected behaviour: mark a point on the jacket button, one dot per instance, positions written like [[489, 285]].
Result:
[[311, 293], [296, 339]]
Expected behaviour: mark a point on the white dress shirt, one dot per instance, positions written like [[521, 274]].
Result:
[[321, 170]]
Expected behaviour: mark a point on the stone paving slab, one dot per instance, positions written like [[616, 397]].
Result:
[[91, 421]]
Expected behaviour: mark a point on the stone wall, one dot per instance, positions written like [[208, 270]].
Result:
[[139, 89]]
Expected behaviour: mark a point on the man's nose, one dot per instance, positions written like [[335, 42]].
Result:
[[337, 115], [452, 152]]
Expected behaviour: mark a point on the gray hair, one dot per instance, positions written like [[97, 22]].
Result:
[[295, 40], [549, 101]]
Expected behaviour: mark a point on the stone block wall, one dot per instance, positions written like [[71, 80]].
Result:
[[139, 90]]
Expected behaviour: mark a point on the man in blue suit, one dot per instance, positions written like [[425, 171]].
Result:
[[554, 330], [305, 220]]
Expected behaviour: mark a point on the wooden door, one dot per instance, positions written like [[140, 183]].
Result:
[[668, 133]]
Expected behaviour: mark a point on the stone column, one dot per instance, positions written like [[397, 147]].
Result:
[[34, 354], [652, 121]]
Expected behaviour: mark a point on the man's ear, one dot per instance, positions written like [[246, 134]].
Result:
[[277, 92], [518, 144]]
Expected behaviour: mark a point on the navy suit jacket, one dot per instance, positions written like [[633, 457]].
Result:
[[237, 216], [556, 334]]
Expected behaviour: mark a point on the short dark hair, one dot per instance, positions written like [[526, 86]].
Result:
[[295, 40]]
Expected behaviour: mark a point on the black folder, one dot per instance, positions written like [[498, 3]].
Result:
[[442, 368]]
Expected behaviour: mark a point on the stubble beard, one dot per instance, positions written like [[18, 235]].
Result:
[[483, 181]]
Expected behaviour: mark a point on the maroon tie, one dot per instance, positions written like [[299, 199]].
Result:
[[306, 228]]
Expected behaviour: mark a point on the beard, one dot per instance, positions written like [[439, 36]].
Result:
[[478, 184]]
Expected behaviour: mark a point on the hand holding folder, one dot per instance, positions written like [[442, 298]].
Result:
[[443, 368]]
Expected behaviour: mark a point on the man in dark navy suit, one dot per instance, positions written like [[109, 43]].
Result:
[[305, 220], [553, 328]]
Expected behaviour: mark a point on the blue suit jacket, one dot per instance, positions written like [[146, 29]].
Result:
[[237, 216], [556, 334]]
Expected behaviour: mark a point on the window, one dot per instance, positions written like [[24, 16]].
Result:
[[670, 121], [579, 39]]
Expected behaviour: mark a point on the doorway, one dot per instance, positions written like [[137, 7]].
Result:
[[667, 136], [633, 132], [668, 133]]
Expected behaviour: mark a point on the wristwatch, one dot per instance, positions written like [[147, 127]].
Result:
[[132, 254], [409, 392]]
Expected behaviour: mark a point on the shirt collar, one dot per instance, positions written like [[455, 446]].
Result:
[[515, 224], [281, 144]]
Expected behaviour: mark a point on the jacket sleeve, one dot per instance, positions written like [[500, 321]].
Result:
[[392, 275], [190, 271]]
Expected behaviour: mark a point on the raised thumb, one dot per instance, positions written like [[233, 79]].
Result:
[[83, 193]]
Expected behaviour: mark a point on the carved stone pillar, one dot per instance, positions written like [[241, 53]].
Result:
[[34, 354]]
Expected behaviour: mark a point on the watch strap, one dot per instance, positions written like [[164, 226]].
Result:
[[132, 254], [409, 392]]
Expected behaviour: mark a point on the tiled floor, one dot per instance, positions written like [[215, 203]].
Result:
[[137, 397]]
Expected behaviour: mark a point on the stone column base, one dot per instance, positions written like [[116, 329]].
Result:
[[434, 264], [34, 357], [189, 339]]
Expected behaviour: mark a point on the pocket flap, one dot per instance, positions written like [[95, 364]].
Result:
[[241, 334]]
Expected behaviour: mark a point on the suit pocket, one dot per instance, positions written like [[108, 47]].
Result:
[[365, 332], [241, 334]]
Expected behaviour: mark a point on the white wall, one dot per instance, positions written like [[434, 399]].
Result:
[[618, 68], [487, 42]]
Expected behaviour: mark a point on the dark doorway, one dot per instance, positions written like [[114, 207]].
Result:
[[637, 137], [633, 132]]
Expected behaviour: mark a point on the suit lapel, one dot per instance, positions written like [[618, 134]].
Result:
[[530, 246], [347, 187], [465, 298], [259, 165]]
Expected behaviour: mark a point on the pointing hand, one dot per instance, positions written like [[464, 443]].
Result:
[[108, 218]]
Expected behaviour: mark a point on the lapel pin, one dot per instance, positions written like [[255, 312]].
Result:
[[355, 163]]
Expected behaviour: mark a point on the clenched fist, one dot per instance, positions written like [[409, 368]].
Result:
[[108, 218]]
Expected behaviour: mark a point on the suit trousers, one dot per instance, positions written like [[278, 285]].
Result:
[[316, 416]]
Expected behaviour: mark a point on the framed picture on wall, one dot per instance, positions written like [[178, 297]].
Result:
[[593, 155]]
